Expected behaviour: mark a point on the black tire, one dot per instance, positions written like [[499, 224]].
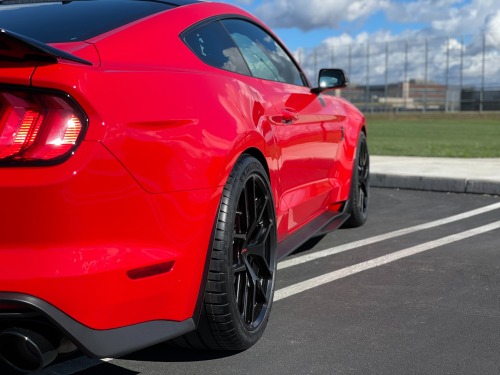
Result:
[[240, 284], [360, 186]]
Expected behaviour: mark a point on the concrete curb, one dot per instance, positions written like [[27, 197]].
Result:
[[443, 184]]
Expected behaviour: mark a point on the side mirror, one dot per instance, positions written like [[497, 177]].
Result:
[[329, 79]]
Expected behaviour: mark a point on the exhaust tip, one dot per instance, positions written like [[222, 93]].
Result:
[[26, 350]]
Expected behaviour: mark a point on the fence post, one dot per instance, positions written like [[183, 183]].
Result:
[[367, 91], [315, 65], [405, 81], [386, 88], [349, 66], [426, 74], [446, 84], [461, 69], [483, 70]]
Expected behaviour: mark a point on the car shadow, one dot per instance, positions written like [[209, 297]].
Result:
[[166, 352], [107, 369], [308, 245], [160, 353]]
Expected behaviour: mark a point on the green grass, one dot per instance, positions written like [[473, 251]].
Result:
[[467, 135]]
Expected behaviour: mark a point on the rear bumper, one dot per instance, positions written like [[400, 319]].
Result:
[[102, 343], [70, 234]]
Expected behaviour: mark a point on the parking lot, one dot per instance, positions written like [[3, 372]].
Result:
[[414, 291]]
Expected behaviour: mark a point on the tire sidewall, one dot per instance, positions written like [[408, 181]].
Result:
[[358, 215], [248, 166]]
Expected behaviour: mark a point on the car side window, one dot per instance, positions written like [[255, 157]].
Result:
[[212, 44], [262, 53]]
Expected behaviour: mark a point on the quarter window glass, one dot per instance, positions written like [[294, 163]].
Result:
[[264, 56], [212, 44]]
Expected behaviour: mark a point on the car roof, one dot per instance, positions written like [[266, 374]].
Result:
[[178, 2], [76, 20]]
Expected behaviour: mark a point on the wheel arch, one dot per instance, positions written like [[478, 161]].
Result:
[[266, 162], [257, 154], [259, 143], [356, 124]]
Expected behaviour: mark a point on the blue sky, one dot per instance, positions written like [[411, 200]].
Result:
[[308, 23]]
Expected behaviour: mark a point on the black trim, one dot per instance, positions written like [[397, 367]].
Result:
[[38, 48], [324, 223], [105, 343]]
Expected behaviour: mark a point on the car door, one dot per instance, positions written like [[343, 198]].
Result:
[[307, 129]]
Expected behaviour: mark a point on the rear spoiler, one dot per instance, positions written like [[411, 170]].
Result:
[[16, 47]]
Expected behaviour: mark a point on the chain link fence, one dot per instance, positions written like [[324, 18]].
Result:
[[424, 74]]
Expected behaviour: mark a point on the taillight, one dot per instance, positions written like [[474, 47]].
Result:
[[38, 127]]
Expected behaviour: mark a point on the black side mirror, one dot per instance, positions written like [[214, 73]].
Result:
[[329, 79]]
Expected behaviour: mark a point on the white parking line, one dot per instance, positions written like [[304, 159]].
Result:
[[344, 272], [82, 363], [368, 241]]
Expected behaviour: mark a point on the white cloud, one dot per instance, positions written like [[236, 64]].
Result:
[[439, 40], [492, 29], [447, 17], [420, 11], [310, 14], [437, 17], [447, 49]]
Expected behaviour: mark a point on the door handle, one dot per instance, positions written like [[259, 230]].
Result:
[[289, 115]]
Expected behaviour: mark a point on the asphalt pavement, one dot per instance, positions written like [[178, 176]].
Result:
[[476, 176]]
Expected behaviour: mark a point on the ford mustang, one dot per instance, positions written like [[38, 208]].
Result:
[[157, 159]]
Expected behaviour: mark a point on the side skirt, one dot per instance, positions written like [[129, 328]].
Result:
[[324, 223]]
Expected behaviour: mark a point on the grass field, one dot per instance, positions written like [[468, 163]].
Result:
[[461, 135]]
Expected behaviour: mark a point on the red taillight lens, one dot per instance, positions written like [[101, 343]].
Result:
[[38, 127]]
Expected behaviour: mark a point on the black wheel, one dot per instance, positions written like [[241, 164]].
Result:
[[360, 185], [240, 285]]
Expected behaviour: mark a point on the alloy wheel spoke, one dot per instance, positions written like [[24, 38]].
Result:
[[252, 246], [363, 185], [260, 207], [362, 198], [249, 198], [253, 306], [259, 250], [363, 169], [261, 292], [251, 302], [245, 300], [253, 278], [240, 236], [238, 289], [239, 268]]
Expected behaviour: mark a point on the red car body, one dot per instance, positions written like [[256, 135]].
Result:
[[116, 234]]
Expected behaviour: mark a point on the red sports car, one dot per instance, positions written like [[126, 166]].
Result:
[[157, 158]]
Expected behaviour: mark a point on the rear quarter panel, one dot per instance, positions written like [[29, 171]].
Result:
[[175, 123]]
